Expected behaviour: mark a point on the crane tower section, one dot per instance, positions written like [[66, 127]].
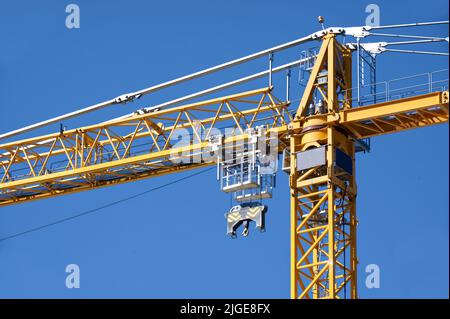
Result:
[[322, 182]]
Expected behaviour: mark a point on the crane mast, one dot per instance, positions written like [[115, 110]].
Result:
[[322, 182], [318, 140]]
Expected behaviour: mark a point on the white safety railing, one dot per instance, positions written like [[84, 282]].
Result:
[[401, 87]]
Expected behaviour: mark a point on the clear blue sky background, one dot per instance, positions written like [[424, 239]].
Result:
[[172, 243]]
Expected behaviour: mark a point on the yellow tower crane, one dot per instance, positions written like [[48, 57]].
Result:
[[319, 146]]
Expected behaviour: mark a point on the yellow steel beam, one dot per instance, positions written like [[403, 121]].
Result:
[[79, 187], [318, 66], [128, 149], [394, 116], [382, 118], [404, 105], [322, 200]]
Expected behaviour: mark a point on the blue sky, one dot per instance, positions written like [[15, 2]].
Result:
[[171, 243]]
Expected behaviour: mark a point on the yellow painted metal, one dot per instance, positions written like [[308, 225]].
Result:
[[394, 116], [318, 66], [323, 239], [27, 171], [128, 149], [323, 211]]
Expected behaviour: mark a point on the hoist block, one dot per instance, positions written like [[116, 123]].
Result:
[[243, 214]]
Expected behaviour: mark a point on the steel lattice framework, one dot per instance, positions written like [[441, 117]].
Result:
[[323, 206], [323, 220], [128, 149]]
